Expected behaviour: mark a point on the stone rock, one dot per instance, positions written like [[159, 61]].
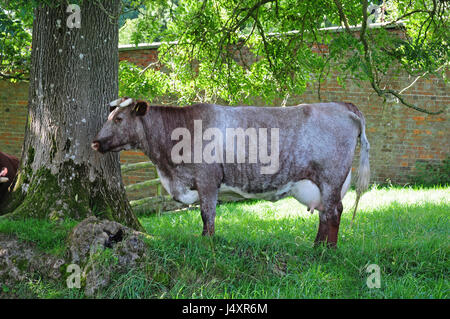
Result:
[[19, 260], [93, 236]]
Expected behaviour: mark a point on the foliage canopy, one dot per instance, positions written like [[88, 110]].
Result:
[[15, 41], [233, 50], [230, 51]]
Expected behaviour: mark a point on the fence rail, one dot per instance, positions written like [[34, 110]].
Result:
[[152, 203], [141, 185], [135, 166], [160, 202]]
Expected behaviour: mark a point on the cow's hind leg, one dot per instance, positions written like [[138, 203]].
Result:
[[330, 218], [322, 233], [333, 224]]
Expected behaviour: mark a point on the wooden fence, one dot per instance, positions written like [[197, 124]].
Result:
[[160, 202], [157, 203]]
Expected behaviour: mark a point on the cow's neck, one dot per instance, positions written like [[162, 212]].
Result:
[[158, 124], [149, 143]]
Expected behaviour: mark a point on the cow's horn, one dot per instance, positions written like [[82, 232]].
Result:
[[126, 102], [4, 179], [115, 102]]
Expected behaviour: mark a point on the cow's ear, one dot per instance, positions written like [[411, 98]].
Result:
[[140, 108]]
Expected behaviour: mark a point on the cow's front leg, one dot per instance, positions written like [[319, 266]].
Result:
[[208, 201]]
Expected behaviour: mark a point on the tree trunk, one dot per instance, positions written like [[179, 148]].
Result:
[[74, 74]]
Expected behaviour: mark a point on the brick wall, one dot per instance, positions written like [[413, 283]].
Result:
[[142, 56], [13, 114], [398, 136]]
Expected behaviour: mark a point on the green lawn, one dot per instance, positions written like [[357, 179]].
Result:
[[265, 250]]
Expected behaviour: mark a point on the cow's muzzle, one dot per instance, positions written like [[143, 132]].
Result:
[[101, 146], [98, 146]]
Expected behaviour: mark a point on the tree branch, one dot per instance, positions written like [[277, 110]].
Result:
[[371, 70], [266, 45], [18, 76], [342, 16]]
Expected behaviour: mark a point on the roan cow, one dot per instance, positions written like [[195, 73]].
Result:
[[8, 170], [204, 149]]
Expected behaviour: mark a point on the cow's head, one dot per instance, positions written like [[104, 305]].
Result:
[[3, 177], [121, 130]]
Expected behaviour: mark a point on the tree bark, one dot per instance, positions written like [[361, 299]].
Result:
[[73, 76]]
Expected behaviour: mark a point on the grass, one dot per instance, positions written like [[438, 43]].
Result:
[[48, 237], [265, 250]]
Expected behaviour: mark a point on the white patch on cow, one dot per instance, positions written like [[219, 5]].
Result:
[[184, 195], [4, 179], [188, 197]]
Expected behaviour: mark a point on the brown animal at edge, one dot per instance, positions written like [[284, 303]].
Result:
[[8, 169]]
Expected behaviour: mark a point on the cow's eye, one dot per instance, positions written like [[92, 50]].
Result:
[[118, 119]]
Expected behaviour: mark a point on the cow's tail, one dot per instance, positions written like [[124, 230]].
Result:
[[362, 183]]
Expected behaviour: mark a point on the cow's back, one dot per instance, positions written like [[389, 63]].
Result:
[[314, 139]]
